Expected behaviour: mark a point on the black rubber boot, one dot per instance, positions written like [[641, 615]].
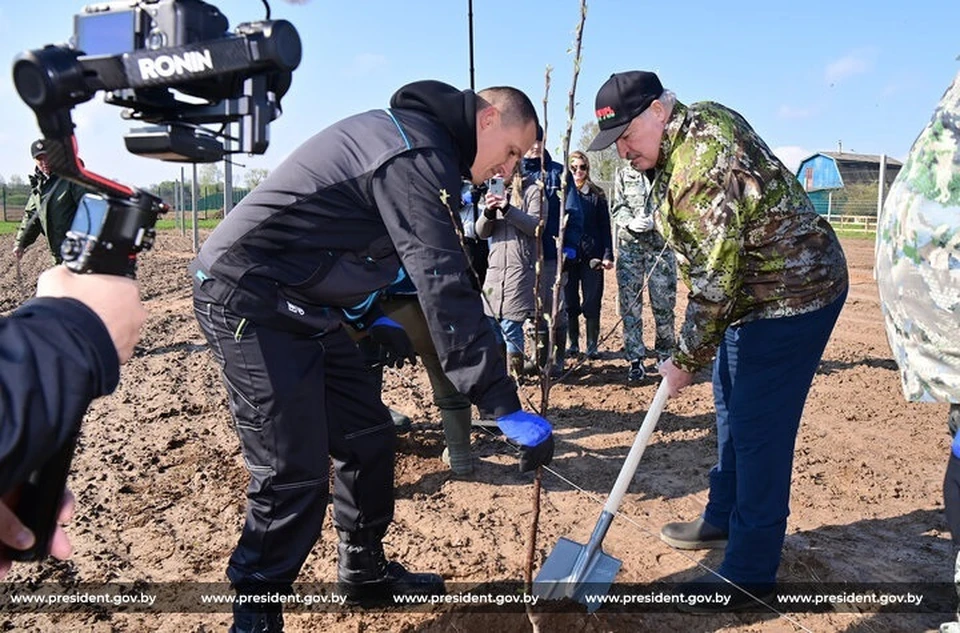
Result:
[[593, 338], [574, 333], [693, 535], [559, 353], [248, 620], [366, 578], [456, 431], [710, 594]]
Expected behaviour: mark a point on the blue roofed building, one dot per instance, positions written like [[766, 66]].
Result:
[[825, 175]]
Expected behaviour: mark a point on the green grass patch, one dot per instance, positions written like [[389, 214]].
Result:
[[9, 228], [171, 224], [856, 235]]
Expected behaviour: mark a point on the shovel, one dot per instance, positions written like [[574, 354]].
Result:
[[584, 572]]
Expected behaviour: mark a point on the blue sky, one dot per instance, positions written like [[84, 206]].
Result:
[[805, 74]]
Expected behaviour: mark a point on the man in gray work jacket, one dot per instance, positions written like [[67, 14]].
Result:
[[308, 249]]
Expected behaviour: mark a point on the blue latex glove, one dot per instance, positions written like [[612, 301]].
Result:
[[394, 343], [534, 435], [569, 252]]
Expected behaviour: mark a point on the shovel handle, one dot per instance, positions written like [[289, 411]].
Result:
[[636, 451]]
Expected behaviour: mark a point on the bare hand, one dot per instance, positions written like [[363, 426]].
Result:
[[115, 299], [607, 264], [676, 378], [495, 202], [18, 252], [14, 535]]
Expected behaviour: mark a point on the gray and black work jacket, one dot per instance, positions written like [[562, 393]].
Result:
[[333, 224]]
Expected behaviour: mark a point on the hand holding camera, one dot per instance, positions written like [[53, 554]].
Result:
[[116, 300], [16, 537]]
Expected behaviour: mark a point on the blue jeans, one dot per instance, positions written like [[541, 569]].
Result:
[[761, 377], [509, 333]]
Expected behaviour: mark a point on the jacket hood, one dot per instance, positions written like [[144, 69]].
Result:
[[455, 109]]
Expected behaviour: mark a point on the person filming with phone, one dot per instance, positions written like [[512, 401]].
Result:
[[511, 223]]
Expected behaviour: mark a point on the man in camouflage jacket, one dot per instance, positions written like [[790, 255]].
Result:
[[50, 208], [767, 278], [918, 276], [642, 257]]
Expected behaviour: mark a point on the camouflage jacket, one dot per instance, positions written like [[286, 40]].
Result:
[[629, 196], [749, 244], [630, 190], [918, 259]]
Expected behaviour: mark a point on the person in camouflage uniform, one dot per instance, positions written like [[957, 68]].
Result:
[[918, 276], [642, 256], [767, 279]]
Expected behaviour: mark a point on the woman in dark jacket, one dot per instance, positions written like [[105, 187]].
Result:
[[596, 255]]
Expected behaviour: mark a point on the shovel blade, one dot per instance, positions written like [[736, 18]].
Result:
[[557, 578]]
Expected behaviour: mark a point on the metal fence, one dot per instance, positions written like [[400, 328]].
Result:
[[14, 198], [210, 199]]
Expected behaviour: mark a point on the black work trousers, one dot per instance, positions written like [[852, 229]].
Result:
[[297, 401]]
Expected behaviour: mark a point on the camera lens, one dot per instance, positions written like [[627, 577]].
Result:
[[70, 249], [30, 81], [288, 44]]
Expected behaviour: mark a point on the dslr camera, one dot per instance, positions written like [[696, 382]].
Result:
[[144, 55]]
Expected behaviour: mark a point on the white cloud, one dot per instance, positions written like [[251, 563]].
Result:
[[790, 112], [791, 155], [853, 63], [365, 64]]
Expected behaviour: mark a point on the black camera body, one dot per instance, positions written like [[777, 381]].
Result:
[[141, 52], [121, 26], [108, 233]]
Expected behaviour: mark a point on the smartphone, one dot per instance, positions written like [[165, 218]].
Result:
[[495, 187]]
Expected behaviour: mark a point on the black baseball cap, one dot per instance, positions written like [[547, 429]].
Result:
[[37, 148], [620, 99]]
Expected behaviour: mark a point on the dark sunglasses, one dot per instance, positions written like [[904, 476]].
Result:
[[579, 168]]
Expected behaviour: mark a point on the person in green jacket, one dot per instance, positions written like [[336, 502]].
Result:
[[50, 208]]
